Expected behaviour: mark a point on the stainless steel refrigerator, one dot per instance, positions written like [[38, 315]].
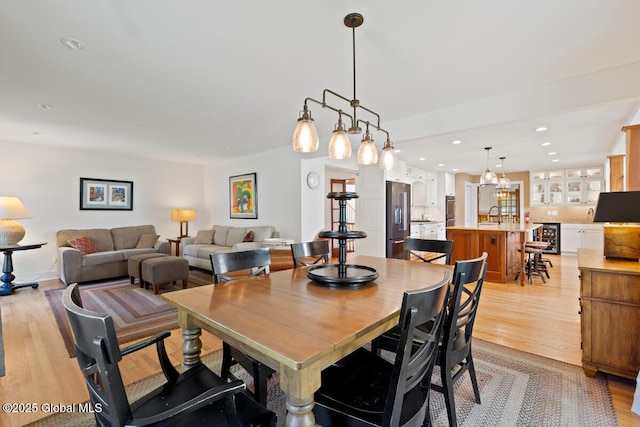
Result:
[[398, 217]]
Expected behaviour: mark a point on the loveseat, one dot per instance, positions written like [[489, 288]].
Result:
[[100, 253], [222, 238]]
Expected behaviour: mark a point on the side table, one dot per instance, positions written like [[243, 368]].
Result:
[[176, 242], [7, 267], [277, 242]]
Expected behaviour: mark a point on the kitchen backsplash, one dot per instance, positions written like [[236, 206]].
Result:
[[431, 213], [573, 214]]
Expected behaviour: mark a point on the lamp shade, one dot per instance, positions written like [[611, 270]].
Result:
[[619, 206], [183, 215], [339, 145], [11, 231], [305, 136]]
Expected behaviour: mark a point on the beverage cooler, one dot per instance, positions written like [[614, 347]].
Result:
[[550, 234]]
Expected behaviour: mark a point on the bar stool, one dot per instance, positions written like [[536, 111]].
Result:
[[531, 268], [539, 264]]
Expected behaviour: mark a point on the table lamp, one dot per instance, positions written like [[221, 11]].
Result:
[[184, 216], [11, 231], [621, 210]]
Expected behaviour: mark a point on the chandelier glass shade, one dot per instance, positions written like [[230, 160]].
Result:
[[339, 144], [503, 182], [388, 156], [488, 177], [305, 135], [367, 152]]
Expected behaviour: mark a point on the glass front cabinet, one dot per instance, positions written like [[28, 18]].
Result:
[[547, 188], [583, 186]]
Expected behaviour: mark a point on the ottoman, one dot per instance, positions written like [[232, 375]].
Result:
[[167, 269], [134, 263]]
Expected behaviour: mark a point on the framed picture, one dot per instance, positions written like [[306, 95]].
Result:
[[106, 194], [243, 196]]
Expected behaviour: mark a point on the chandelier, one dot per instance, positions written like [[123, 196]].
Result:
[[503, 181], [488, 177], [305, 136]]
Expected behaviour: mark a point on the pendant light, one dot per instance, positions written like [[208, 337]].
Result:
[[339, 144], [488, 177], [367, 153], [388, 158], [305, 135], [503, 181]]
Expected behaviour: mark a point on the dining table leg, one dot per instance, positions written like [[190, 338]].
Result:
[[191, 345], [299, 386]]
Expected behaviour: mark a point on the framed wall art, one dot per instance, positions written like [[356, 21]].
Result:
[[106, 194], [243, 196]]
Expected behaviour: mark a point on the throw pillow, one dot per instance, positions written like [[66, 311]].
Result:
[[147, 241], [204, 237], [248, 237], [84, 244]]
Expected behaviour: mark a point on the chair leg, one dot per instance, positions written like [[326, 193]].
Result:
[[226, 361], [260, 379], [449, 398], [472, 374]]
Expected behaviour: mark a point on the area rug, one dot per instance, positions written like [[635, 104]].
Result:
[[516, 389], [136, 312]]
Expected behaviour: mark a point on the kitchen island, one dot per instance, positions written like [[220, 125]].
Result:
[[500, 241]]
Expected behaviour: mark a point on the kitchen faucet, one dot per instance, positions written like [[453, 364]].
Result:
[[499, 216]]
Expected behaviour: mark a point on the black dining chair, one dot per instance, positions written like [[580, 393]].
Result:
[[455, 356], [310, 253], [364, 389], [255, 262], [418, 247], [196, 397]]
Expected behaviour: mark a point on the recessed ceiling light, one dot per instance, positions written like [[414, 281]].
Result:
[[35, 133], [422, 158], [552, 153], [455, 169], [440, 165], [540, 129], [546, 143], [456, 142], [555, 160], [72, 44], [45, 106], [397, 150]]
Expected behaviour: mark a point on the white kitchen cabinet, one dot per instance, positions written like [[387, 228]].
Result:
[[398, 173], [583, 186], [581, 236], [427, 230], [432, 193], [449, 184], [547, 188], [419, 193], [442, 231]]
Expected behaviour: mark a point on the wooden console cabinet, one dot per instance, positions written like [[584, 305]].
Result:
[[610, 314]]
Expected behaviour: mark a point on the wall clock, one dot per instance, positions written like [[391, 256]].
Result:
[[313, 180]]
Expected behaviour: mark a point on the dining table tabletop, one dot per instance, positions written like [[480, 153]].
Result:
[[296, 326]]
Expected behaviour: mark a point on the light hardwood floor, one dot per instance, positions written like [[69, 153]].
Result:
[[541, 319]]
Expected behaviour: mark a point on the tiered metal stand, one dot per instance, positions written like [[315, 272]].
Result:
[[342, 275]]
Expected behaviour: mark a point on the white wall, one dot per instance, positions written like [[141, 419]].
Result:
[[278, 184], [47, 180]]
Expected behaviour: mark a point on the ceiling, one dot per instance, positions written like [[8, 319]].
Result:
[[199, 81]]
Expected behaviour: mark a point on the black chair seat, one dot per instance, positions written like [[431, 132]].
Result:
[[342, 390], [192, 383]]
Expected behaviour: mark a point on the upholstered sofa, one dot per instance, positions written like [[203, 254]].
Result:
[[100, 253], [221, 238]]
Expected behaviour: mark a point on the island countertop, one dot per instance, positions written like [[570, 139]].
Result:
[[521, 228]]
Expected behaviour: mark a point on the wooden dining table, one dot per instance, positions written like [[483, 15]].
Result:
[[298, 327]]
